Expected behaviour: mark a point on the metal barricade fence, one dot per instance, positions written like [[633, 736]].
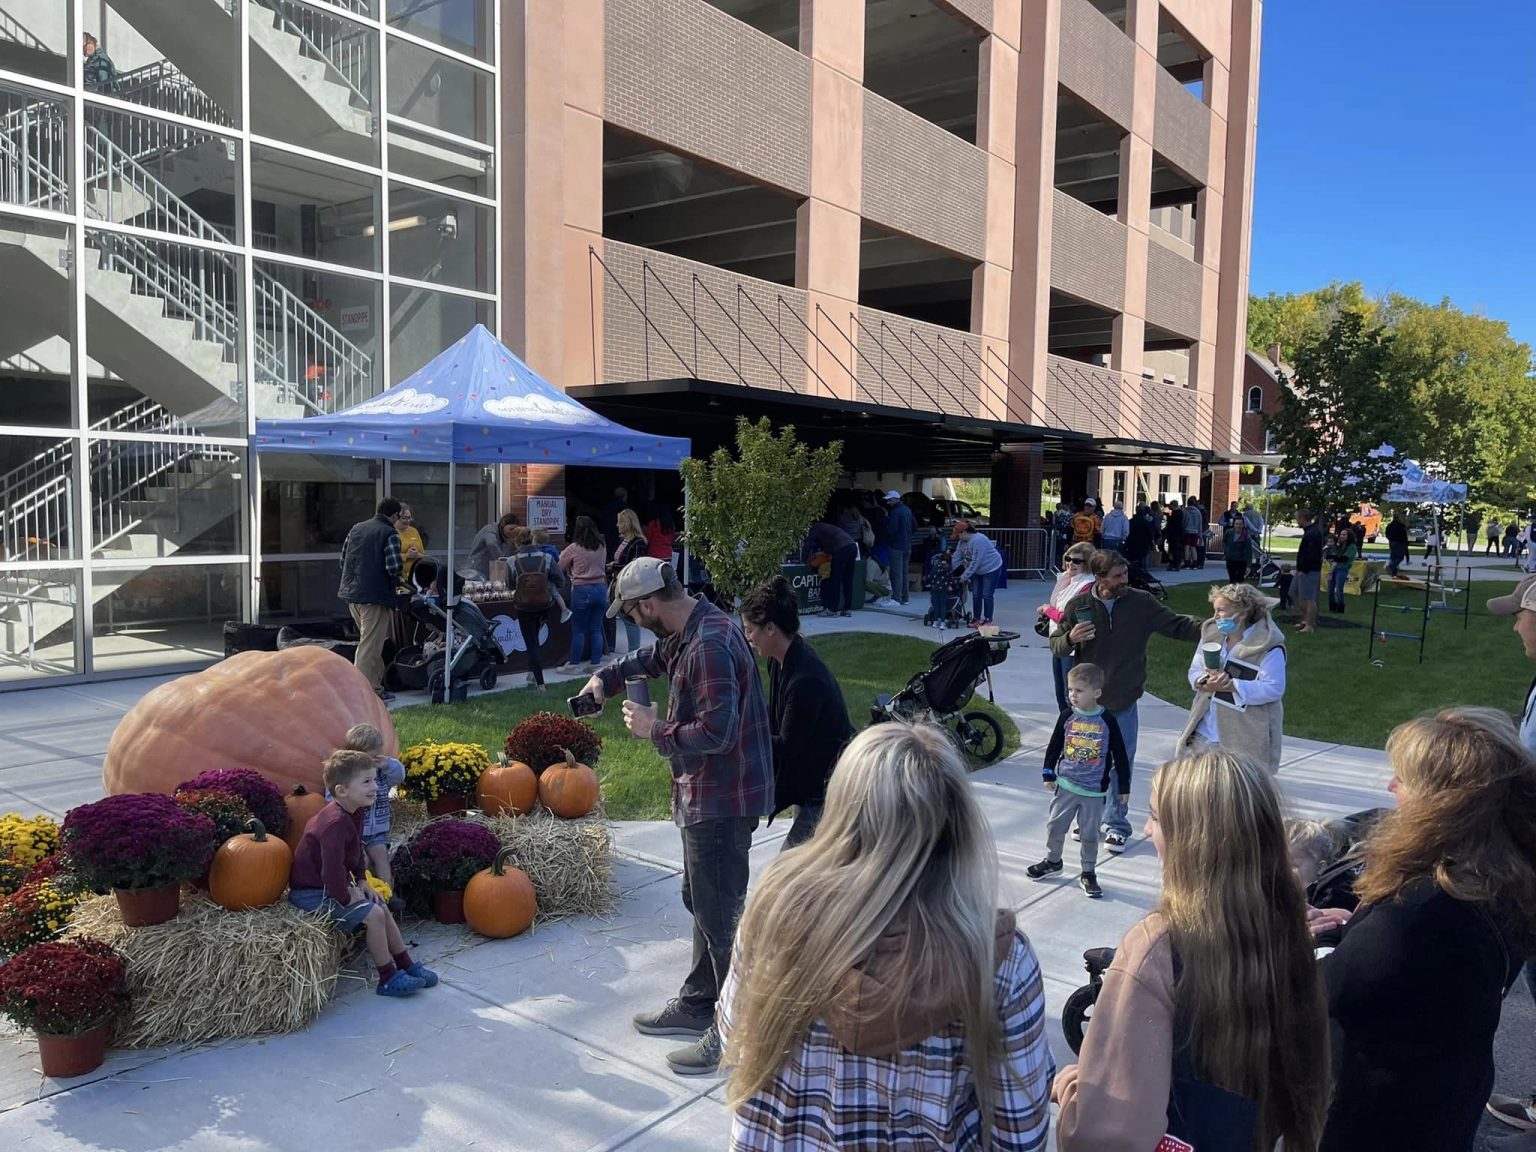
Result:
[[1026, 551]]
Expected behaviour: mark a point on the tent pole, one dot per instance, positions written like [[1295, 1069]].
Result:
[[684, 580], [448, 596]]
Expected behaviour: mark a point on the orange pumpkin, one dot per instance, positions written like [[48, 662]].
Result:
[[249, 870], [507, 788], [281, 713], [499, 901], [303, 806], [570, 789]]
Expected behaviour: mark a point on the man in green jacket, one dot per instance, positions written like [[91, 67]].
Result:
[[1110, 625]]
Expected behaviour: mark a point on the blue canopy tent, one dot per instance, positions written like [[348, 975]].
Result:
[[475, 403]]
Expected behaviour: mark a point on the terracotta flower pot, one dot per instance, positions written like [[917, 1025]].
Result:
[[449, 805], [448, 907], [72, 1055], [141, 907]]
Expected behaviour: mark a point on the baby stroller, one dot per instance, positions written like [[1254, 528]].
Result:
[[1332, 887], [1140, 577], [941, 692], [476, 651]]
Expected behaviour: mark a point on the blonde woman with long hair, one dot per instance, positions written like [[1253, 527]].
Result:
[[878, 997], [1211, 1025], [1447, 916]]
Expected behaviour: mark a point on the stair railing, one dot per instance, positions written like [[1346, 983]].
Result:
[[13, 29], [301, 354], [35, 504], [344, 46]]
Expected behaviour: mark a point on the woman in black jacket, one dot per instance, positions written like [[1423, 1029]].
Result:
[[806, 712], [1447, 915]]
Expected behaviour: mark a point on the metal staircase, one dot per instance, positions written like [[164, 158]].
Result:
[[301, 362], [148, 499]]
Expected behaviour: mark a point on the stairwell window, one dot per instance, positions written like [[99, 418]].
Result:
[[1255, 399]]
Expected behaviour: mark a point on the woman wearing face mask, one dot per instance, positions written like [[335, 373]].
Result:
[[1239, 705]]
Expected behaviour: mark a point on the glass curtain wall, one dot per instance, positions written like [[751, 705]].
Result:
[[212, 214]]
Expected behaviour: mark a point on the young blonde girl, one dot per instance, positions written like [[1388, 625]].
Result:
[[1211, 1025], [369, 740], [878, 998]]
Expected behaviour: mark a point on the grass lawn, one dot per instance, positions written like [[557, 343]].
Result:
[[1334, 693], [636, 781]]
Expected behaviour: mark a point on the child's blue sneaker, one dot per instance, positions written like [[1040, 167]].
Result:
[[401, 984], [427, 977]]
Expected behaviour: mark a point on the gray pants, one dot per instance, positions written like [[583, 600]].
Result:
[[1067, 807]]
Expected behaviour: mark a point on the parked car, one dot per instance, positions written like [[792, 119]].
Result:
[[924, 510], [1368, 517], [953, 510]]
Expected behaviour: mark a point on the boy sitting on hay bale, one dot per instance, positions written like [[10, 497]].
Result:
[[328, 868]]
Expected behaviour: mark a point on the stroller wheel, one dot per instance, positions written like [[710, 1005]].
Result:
[[1076, 1015], [980, 736], [488, 677]]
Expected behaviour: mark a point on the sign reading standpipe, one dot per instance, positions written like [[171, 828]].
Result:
[[547, 512]]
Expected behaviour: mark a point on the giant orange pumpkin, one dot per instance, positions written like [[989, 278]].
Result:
[[507, 788], [281, 713], [303, 806], [499, 902], [570, 789], [249, 870]]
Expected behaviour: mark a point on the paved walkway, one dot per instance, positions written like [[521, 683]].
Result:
[[527, 1043]]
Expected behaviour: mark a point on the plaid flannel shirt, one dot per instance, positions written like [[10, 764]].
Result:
[[715, 734], [826, 1097]]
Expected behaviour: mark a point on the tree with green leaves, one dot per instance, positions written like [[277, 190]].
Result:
[[1292, 318], [1472, 398], [747, 512], [1339, 407]]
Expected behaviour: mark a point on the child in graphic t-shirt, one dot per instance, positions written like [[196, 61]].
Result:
[[1086, 754]]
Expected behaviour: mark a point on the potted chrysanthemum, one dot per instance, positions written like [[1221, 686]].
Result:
[[67, 992], [143, 846], [444, 775]]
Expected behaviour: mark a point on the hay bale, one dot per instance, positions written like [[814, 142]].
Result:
[[211, 974], [570, 862]]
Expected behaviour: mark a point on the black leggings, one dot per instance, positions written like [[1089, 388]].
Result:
[[528, 624], [1236, 571]]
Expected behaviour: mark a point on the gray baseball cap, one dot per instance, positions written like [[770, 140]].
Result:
[[639, 579], [1524, 596]]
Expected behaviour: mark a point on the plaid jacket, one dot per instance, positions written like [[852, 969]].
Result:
[[921, 1098], [716, 732]]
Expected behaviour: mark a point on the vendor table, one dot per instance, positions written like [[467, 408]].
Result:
[[556, 642], [806, 582]]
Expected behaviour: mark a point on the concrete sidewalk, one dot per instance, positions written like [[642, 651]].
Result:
[[527, 1042]]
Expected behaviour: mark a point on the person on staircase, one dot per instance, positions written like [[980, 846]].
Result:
[[98, 71], [371, 563]]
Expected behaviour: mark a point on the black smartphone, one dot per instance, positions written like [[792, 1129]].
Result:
[[584, 705]]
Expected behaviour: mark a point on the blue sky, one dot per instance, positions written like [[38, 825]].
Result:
[[1397, 146]]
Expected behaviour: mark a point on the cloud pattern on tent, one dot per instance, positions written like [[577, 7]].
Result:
[[543, 409], [474, 402]]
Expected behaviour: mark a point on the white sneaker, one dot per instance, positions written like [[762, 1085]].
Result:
[[568, 669], [532, 680], [565, 616]]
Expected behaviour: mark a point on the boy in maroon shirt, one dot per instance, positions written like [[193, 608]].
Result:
[[329, 873]]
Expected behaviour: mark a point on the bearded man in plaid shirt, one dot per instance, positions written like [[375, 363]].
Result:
[[716, 738]]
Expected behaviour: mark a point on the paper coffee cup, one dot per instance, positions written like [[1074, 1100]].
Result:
[[1211, 654]]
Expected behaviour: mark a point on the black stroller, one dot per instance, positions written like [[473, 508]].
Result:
[[941, 692], [476, 651], [1332, 887]]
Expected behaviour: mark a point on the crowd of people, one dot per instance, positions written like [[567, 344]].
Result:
[[873, 991]]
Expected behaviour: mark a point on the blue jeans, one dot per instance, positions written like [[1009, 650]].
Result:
[[901, 567], [1336, 581], [1115, 818], [588, 602], [714, 890], [938, 604], [983, 588], [1397, 556], [1060, 666]]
